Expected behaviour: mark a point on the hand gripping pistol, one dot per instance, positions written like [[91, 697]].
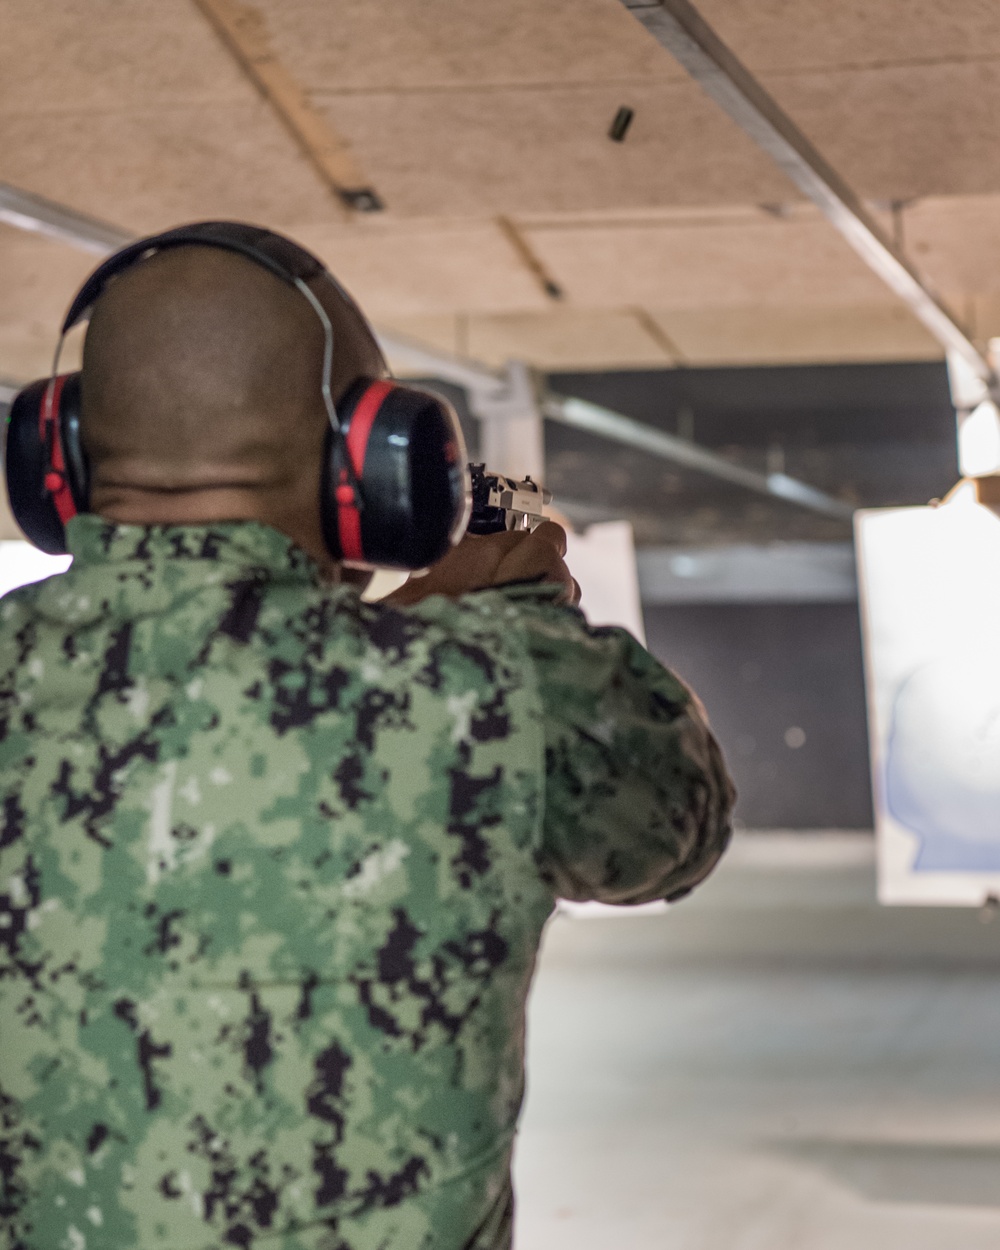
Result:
[[503, 503]]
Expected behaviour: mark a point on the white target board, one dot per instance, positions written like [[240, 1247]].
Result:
[[930, 597], [602, 559]]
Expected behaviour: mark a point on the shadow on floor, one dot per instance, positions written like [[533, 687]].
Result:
[[922, 1172]]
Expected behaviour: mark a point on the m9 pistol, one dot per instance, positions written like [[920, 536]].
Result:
[[503, 503]]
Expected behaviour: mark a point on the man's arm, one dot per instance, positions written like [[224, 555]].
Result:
[[638, 799]]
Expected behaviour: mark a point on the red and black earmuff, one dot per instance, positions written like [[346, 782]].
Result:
[[395, 488], [46, 468]]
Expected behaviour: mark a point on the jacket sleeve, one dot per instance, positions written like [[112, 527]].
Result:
[[638, 799]]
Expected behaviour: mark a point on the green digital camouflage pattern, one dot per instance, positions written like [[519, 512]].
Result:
[[275, 864]]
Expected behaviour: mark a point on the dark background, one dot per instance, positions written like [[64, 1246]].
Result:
[[874, 435], [760, 670], [871, 435]]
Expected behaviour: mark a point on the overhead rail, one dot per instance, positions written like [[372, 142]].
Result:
[[681, 29], [581, 414], [485, 387], [595, 419], [38, 216]]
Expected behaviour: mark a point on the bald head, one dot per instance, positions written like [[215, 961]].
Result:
[[201, 390]]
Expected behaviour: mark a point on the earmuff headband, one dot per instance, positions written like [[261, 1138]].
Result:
[[285, 259]]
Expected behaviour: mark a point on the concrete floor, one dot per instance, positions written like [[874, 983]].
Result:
[[774, 1064]]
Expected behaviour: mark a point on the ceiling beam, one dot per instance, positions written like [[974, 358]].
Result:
[[482, 383], [243, 31], [529, 257], [681, 29]]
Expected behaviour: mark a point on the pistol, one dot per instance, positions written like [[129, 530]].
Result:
[[504, 503]]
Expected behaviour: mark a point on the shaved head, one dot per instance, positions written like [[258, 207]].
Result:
[[201, 390]]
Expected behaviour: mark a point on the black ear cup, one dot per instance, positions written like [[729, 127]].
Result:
[[408, 499], [46, 469]]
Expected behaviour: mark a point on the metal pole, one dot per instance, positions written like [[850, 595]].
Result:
[[596, 419]]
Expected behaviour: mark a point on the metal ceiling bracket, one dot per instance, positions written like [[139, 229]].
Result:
[[681, 29], [512, 439], [529, 257]]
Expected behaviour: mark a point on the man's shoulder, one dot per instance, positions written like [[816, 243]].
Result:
[[18, 601], [18, 610], [524, 625]]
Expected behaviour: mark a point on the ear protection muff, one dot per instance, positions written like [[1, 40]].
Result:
[[400, 444], [46, 468], [394, 488]]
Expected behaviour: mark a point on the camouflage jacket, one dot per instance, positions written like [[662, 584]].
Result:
[[275, 863]]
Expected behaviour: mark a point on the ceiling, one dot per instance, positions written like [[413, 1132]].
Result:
[[483, 128], [683, 243]]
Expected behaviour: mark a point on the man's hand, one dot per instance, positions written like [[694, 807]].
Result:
[[482, 561]]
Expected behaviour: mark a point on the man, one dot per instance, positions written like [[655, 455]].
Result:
[[276, 861]]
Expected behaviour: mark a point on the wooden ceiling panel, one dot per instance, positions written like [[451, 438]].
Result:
[[897, 134], [447, 44], [797, 336], [984, 314], [40, 278], [564, 338], [767, 262], [571, 338], [956, 242], [416, 269], [459, 153], [72, 56], [444, 332], [894, 134], [135, 112], [797, 35], [145, 171]]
